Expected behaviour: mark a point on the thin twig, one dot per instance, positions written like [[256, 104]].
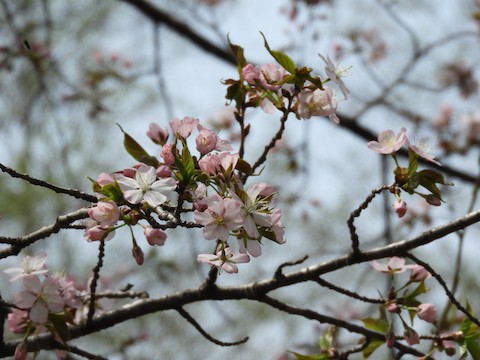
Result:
[[279, 272], [346, 292], [93, 285], [206, 335]]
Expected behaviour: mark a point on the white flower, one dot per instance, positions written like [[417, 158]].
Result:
[[146, 187], [335, 75], [29, 265]]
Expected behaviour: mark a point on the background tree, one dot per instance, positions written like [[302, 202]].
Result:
[[71, 71]]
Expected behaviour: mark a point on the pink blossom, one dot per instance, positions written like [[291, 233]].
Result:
[[228, 161], [250, 246], [265, 190], [105, 179], [271, 75], [317, 103], [277, 226], [40, 298], [199, 202], [167, 154], [96, 232], [223, 162], [422, 149], [155, 236], [427, 312], [394, 265], [17, 321], [335, 75], [224, 259], [222, 216], [400, 207], [419, 273], [158, 134], [106, 213], [68, 291], [184, 127], [29, 265], [210, 164], [250, 73], [206, 141], [388, 142], [145, 187], [392, 307]]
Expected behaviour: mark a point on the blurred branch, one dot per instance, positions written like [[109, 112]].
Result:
[[159, 16]]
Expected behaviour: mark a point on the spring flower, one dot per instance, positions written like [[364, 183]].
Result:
[[250, 73], [270, 75], [411, 336], [138, 255], [184, 127], [106, 213], [104, 179], [419, 273], [17, 321], [145, 187], [224, 259], [400, 207], [155, 236], [422, 149], [388, 142], [167, 154], [427, 312], [335, 75], [222, 216], [157, 134], [40, 298], [317, 103], [394, 265], [29, 265]]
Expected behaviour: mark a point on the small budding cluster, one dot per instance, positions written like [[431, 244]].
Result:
[[211, 183], [403, 299], [47, 303], [284, 86], [409, 179]]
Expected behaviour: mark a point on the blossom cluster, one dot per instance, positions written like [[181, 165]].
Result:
[[209, 181], [408, 179], [46, 303], [269, 87], [402, 298]]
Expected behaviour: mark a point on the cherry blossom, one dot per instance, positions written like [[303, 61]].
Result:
[[270, 75], [422, 149], [250, 73], [184, 127], [155, 236], [17, 321], [335, 75], [40, 298], [222, 216], [105, 179], [317, 103], [427, 312], [167, 154], [419, 273], [400, 207], [29, 265], [106, 213], [158, 134], [388, 142], [145, 187], [224, 259], [411, 336], [394, 265]]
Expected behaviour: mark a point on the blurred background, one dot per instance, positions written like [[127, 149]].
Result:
[[71, 70]]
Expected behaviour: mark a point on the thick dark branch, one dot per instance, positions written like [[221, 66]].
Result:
[[37, 182], [255, 291], [19, 243], [159, 16]]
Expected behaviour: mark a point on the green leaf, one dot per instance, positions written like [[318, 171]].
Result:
[[238, 52], [281, 58], [137, 151], [412, 162], [473, 346], [326, 340], [186, 166], [380, 325], [111, 192], [244, 167], [372, 346], [310, 357], [236, 91]]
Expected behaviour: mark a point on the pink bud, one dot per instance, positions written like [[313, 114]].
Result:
[[106, 213], [104, 179], [419, 273], [250, 73], [390, 339], [427, 312], [167, 154], [157, 134], [392, 307], [433, 200], [411, 336], [400, 207], [155, 236], [20, 352], [206, 141], [138, 254], [163, 171]]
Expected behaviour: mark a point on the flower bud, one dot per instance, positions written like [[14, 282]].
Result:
[[427, 312], [419, 273], [400, 207], [138, 254]]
